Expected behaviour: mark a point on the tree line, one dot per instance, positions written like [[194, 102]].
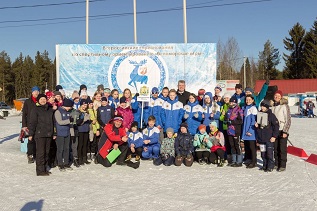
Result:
[[17, 77]]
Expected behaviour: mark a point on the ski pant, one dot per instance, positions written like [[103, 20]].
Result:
[[62, 150], [235, 145], [214, 156], [93, 145], [166, 161], [105, 162], [42, 150], [138, 151], [52, 153], [280, 151], [250, 151], [31, 147], [227, 143], [267, 156], [83, 139], [74, 146], [202, 155], [152, 152], [188, 161]]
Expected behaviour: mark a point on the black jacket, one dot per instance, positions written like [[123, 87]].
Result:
[[28, 106], [183, 97], [41, 122], [184, 144], [264, 134]]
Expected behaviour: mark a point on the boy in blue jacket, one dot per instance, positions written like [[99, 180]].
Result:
[[104, 113], [151, 145], [135, 142]]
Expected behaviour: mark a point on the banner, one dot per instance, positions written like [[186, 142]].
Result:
[[228, 86], [120, 66]]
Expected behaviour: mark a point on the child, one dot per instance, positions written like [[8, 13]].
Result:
[[97, 100], [211, 110], [184, 147], [234, 118], [135, 141], [151, 135], [193, 114], [218, 148], [75, 114], [104, 113], [223, 125], [83, 133], [126, 112], [75, 99], [167, 154], [94, 132], [202, 145], [200, 96], [248, 134], [149, 108], [114, 99], [267, 133]]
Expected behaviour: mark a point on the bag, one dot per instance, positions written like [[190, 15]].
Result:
[[113, 155], [24, 145]]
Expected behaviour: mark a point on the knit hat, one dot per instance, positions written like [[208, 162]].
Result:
[[233, 99], [104, 99], [213, 123], [57, 93], [135, 124], [58, 87], [83, 93], [49, 94], [107, 90], [40, 96], [218, 87], [116, 118], [184, 124], [265, 103], [83, 86], [249, 89], [83, 101], [68, 103], [89, 101], [227, 95], [155, 90], [201, 92], [75, 95], [100, 87], [35, 88], [123, 99], [170, 130], [202, 127], [238, 86], [279, 92]]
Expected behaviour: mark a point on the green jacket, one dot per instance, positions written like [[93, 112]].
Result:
[[199, 143], [224, 108]]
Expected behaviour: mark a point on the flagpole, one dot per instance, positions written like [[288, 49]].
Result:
[[134, 21], [87, 21], [185, 21]]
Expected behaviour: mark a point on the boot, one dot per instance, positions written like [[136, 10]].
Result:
[[43, 174], [201, 162], [61, 168], [76, 163], [206, 160], [30, 159], [86, 161], [128, 158], [221, 163], [137, 158]]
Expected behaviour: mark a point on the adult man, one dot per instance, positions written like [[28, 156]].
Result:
[[182, 94], [28, 106]]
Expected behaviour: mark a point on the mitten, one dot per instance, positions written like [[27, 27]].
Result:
[[186, 116], [196, 115]]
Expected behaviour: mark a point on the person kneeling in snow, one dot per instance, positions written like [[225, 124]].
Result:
[[167, 155], [184, 147], [135, 141]]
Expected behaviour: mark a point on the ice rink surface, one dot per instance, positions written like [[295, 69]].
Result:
[[207, 187]]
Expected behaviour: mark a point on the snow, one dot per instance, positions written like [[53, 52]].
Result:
[[207, 187]]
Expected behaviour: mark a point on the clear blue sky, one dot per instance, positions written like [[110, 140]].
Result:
[[250, 24]]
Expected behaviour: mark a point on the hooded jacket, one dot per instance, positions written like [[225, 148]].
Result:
[[41, 122], [194, 112], [127, 115], [282, 113], [184, 144], [234, 118], [199, 142], [249, 120], [172, 114], [208, 109]]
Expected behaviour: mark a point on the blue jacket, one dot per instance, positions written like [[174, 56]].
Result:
[[62, 122], [152, 134], [194, 112], [249, 119], [211, 108], [136, 110], [240, 98], [104, 115], [157, 111], [113, 102], [135, 138], [148, 110], [172, 114]]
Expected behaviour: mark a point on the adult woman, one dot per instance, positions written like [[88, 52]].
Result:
[[282, 112], [41, 124]]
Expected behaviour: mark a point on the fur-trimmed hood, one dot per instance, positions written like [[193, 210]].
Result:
[[283, 101]]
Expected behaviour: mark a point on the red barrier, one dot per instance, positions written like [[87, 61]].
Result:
[[312, 159], [297, 151]]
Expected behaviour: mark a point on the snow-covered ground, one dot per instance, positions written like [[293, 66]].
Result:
[[207, 187]]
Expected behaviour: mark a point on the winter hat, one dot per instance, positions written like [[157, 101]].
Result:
[[89, 101], [35, 88], [100, 87], [83, 101], [201, 92], [208, 94], [107, 90], [83, 93], [123, 99], [265, 103], [62, 92], [58, 87], [202, 127], [238, 86], [184, 124], [68, 103], [170, 130], [83, 86], [117, 118], [135, 124], [75, 95], [249, 89], [227, 95], [279, 92], [213, 123], [40, 96], [155, 90], [218, 87], [49, 94], [233, 99], [104, 99], [57, 93]]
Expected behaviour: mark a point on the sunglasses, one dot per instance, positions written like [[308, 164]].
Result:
[[153, 93]]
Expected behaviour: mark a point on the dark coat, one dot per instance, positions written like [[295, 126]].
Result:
[[41, 122], [28, 106], [183, 97], [272, 130], [184, 144]]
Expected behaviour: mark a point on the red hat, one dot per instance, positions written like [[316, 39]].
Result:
[[49, 94], [279, 92], [202, 127], [201, 92]]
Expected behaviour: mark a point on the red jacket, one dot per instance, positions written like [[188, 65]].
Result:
[[127, 115]]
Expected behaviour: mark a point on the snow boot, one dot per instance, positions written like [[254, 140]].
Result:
[[221, 163], [30, 159]]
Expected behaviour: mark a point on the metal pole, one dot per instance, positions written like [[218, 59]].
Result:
[[134, 22], [142, 115], [87, 21], [185, 21], [244, 72]]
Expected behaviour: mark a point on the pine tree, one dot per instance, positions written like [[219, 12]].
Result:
[[269, 58], [310, 51], [17, 68], [249, 79], [6, 78], [28, 68], [295, 66]]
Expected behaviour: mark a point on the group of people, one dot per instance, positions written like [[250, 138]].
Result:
[[179, 127]]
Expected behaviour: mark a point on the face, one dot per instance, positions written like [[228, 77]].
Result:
[[51, 99], [264, 109], [35, 93], [277, 97], [76, 100], [226, 99], [213, 128], [84, 97], [169, 134], [249, 100], [191, 99], [165, 92], [151, 123], [91, 105], [248, 93], [238, 91], [232, 104], [134, 129], [104, 103], [107, 94], [123, 105], [127, 93], [42, 101], [98, 97], [207, 100], [183, 129], [155, 95], [172, 95], [67, 108], [219, 98], [181, 87], [117, 123], [84, 107], [115, 95], [202, 130], [217, 91], [58, 98]]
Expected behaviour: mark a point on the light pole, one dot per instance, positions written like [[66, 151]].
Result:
[[134, 22], [244, 72], [185, 21], [87, 21]]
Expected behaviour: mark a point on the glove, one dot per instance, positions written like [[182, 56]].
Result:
[[215, 142], [189, 156], [267, 82], [137, 94], [186, 116], [71, 119], [196, 115]]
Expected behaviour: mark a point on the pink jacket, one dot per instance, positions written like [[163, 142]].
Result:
[[127, 115]]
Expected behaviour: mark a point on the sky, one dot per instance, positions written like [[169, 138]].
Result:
[[251, 24]]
